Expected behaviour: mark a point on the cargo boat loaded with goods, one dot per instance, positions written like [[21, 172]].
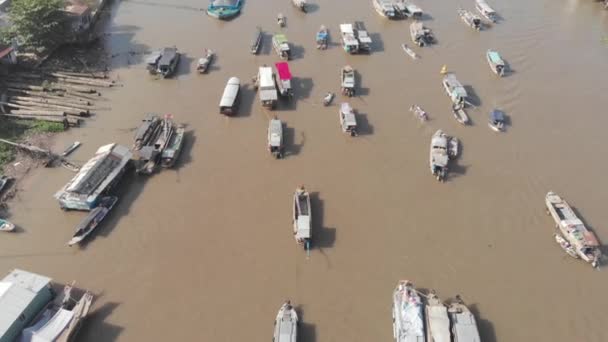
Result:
[[95, 178]]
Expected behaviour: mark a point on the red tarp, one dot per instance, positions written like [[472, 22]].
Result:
[[283, 69]]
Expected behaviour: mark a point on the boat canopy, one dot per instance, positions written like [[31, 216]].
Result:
[[51, 329], [465, 328], [167, 56], [225, 3], [495, 57], [413, 9], [439, 323], [230, 92], [456, 88], [153, 57], [484, 7], [497, 116], [275, 131], [348, 114], [266, 78], [303, 225], [280, 39], [283, 70]]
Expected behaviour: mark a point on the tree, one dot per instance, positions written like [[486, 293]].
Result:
[[37, 23]]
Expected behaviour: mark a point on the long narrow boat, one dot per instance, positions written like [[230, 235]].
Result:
[[322, 38], [437, 320], [470, 19], [302, 217], [460, 114], [6, 226], [464, 326], [256, 42], [438, 159], [484, 9], [3, 182], [171, 152], [300, 4], [286, 324], [70, 148], [497, 65], [93, 220], [409, 51], [571, 227], [408, 324]]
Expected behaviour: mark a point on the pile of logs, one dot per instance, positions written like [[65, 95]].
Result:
[[52, 96]]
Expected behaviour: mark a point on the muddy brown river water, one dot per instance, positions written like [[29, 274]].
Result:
[[204, 252]]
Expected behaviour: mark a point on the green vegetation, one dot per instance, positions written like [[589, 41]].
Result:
[[36, 23], [17, 130]]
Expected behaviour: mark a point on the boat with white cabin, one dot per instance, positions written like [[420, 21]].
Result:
[[275, 138], [437, 320], [286, 324]]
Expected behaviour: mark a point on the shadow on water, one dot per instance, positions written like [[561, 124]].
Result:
[[377, 43], [266, 44], [323, 237], [363, 125], [307, 332], [184, 66], [246, 99], [302, 87], [297, 51], [487, 332], [473, 98], [125, 51], [95, 328], [360, 90], [292, 148], [311, 8]]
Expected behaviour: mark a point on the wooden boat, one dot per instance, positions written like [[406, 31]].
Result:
[[281, 46], [583, 240], [497, 120], [329, 97], [347, 80], [419, 112], [439, 155], [565, 245], [284, 79], [93, 220], [281, 20], [70, 148], [322, 38], [286, 324], [421, 35], [275, 138], [167, 64], [266, 85], [174, 147], [408, 323], [151, 154], [497, 65], [460, 114], [6, 226], [256, 42], [470, 19], [300, 4], [224, 9], [408, 9], [409, 51], [350, 44], [437, 320], [4, 180], [230, 98], [302, 217], [455, 90], [365, 41], [203, 63], [464, 326], [146, 131], [152, 61], [348, 119], [485, 10], [385, 8]]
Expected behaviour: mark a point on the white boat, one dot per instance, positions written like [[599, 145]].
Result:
[[281, 20], [347, 80], [348, 119], [565, 245], [460, 114], [485, 10], [464, 326], [229, 102], [419, 112], [267, 89], [350, 43], [439, 157], [275, 138], [497, 65], [583, 240], [93, 220], [421, 35], [329, 97], [286, 324], [497, 120], [470, 19], [302, 217], [300, 4], [6, 226], [204, 62], [437, 320], [408, 324], [409, 51], [385, 8]]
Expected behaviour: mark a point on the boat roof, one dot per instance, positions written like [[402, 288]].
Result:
[[217, 3], [412, 8], [497, 115], [465, 328], [303, 225], [266, 78], [484, 7], [153, 57], [230, 92], [275, 132], [347, 28], [455, 85], [167, 55], [363, 37], [494, 57], [283, 70], [439, 322], [346, 108], [280, 38]]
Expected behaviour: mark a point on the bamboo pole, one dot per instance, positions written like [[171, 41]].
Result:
[[48, 101], [67, 110], [38, 118], [37, 112]]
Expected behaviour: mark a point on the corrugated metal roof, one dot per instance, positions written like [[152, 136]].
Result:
[[17, 290]]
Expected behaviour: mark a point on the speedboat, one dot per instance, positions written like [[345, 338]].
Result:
[[300, 4], [328, 98], [281, 20], [286, 324], [408, 324]]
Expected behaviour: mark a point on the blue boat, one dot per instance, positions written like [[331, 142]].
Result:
[[224, 9]]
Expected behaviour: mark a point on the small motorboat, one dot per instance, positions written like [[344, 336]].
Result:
[[70, 149], [348, 119], [6, 226], [171, 152], [419, 112], [286, 324], [322, 38], [464, 326], [409, 51], [408, 322], [497, 120], [347, 80], [497, 65], [437, 320], [439, 155], [91, 222], [275, 138], [256, 42], [470, 19], [302, 217], [281, 20], [300, 4], [485, 10], [566, 246], [460, 114], [329, 97], [203, 63]]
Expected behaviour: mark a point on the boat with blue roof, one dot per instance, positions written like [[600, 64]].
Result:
[[224, 9], [322, 38]]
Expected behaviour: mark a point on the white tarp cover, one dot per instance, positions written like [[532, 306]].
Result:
[[412, 325], [439, 323], [51, 328]]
